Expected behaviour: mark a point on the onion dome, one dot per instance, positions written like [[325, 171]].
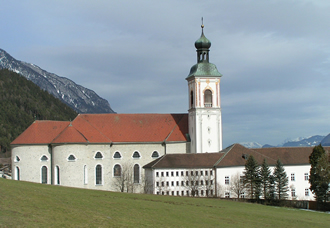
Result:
[[202, 42]]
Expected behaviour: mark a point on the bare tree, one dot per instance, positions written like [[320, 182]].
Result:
[[192, 181], [236, 185], [124, 178]]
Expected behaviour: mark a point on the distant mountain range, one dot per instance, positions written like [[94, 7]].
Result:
[[299, 142], [81, 99]]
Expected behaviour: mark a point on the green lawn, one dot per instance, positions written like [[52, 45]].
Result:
[[26, 204]]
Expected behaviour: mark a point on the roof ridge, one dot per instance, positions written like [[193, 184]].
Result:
[[263, 155], [158, 160], [95, 128], [176, 124], [215, 164], [61, 132]]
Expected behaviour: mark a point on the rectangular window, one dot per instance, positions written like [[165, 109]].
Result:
[[172, 193], [227, 195], [196, 183], [172, 174], [177, 193], [167, 174], [182, 183], [182, 193], [206, 173], [293, 192], [187, 173], [172, 183], [167, 183], [181, 173], [242, 195], [192, 173], [192, 183], [177, 173], [211, 182], [201, 173], [162, 174], [202, 183], [157, 174], [202, 192], [177, 183], [306, 176], [306, 192], [206, 182], [196, 173], [226, 179], [292, 177], [157, 183], [162, 183], [211, 173], [211, 192], [187, 183]]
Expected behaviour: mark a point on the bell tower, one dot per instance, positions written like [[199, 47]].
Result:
[[205, 127]]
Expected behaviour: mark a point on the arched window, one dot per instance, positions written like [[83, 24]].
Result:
[[155, 154], [117, 171], [17, 159], [85, 175], [98, 155], [208, 98], [17, 173], [57, 175], [44, 158], [71, 157], [191, 98], [117, 155], [136, 154], [136, 173], [44, 175], [98, 174]]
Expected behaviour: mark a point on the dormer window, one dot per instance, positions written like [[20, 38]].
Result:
[[44, 158], [136, 155], [98, 155], [208, 98], [71, 157], [117, 155]]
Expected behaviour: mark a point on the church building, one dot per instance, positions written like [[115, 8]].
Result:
[[169, 154]]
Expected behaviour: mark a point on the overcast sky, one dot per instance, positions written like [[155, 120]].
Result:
[[274, 56]]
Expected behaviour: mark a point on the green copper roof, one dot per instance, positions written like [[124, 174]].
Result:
[[204, 69], [202, 42]]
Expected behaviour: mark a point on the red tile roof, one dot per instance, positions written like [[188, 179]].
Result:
[[41, 132], [106, 128]]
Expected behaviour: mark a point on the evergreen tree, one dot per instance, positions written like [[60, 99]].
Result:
[[251, 177], [265, 174], [319, 173], [280, 181]]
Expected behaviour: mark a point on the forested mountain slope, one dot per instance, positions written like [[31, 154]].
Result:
[[22, 102]]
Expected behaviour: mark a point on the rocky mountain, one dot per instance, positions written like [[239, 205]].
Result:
[[81, 99], [299, 142]]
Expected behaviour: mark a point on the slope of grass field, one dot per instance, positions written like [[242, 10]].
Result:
[[26, 204]]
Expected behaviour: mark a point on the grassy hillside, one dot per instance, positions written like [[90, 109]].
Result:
[[21, 102], [35, 205]]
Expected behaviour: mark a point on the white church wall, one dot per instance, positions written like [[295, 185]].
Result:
[[177, 148], [28, 166]]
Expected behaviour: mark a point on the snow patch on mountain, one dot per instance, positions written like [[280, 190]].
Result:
[[81, 99]]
